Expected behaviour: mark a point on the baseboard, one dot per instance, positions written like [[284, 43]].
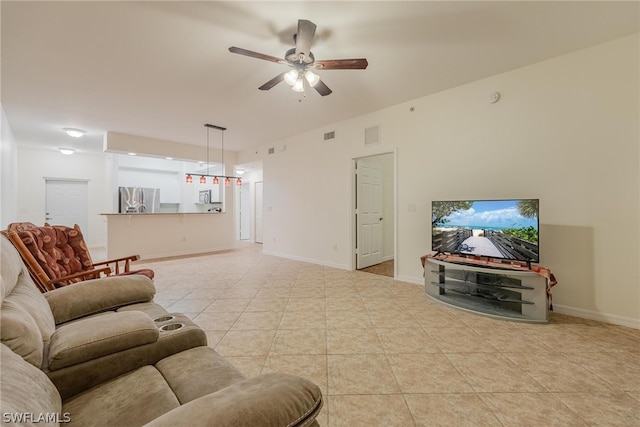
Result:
[[309, 260], [410, 279], [178, 254], [595, 315], [387, 258]]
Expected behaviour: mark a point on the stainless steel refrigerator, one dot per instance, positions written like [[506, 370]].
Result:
[[138, 200]]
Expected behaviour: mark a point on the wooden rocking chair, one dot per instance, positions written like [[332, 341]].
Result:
[[57, 255]]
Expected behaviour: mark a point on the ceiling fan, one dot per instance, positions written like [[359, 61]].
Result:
[[302, 62]]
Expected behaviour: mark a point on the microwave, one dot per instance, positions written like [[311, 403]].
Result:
[[204, 196]]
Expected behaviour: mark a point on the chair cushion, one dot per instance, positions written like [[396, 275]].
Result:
[[51, 251], [78, 245], [21, 226], [99, 336], [25, 389]]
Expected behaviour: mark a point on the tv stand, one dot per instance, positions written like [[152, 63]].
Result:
[[508, 292]]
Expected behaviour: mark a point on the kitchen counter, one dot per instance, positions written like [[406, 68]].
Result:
[[159, 235], [161, 213]]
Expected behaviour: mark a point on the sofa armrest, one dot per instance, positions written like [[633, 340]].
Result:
[[267, 400], [99, 336], [94, 296]]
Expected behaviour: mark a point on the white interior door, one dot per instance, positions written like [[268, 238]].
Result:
[[258, 210], [368, 214], [67, 203], [245, 212]]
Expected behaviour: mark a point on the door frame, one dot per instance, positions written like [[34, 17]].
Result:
[[352, 211], [243, 191], [258, 212]]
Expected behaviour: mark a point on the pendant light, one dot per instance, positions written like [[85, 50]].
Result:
[[216, 178]]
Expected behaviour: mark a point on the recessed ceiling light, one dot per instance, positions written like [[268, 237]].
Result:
[[132, 154], [67, 151], [240, 171], [74, 132], [169, 158]]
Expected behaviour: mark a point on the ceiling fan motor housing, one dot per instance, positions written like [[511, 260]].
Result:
[[302, 59]]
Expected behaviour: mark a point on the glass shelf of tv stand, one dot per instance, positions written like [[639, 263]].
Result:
[[507, 294]]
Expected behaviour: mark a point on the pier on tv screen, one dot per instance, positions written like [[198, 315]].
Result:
[[487, 228]]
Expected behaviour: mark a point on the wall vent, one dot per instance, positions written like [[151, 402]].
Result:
[[329, 135], [372, 135], [272, 150]]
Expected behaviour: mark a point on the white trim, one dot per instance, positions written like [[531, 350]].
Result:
[[595, 315], [309, 260], [409, 279], [51, 178]]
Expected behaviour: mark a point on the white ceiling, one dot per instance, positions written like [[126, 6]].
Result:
[[163, 69]]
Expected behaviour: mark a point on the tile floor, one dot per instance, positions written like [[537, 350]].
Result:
[[384, 354]]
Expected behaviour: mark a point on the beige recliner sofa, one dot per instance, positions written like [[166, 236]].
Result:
[[100, 352]]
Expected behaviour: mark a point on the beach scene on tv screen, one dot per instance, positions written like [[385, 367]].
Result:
[[492, 228]]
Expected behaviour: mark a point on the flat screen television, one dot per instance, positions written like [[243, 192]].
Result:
[[506, 229]]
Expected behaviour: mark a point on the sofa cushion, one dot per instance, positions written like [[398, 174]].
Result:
[[93, 296], [25, 318], [10, 268], [151, 308], [99, 336], [20, 333], [25, 389], [130, 400], [269, 400], [196, 372]]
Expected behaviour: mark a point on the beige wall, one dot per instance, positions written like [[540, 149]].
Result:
[[565, 131], [8, 174], [36, 164]]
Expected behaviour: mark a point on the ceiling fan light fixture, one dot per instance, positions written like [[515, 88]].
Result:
[[311, 77], [298, 86], [291, 77]]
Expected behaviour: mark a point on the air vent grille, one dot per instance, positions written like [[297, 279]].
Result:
[[272, 150], [329, 135], [372, 135]]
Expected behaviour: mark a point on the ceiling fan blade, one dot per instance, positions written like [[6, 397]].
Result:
[[257, 55], [322, 88], [342, 64], [304, 37], [274, 81]]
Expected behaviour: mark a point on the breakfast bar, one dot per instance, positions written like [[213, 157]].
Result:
[[160, 235]]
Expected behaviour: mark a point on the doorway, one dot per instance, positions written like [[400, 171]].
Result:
[[374, 214], [244, 212], [67, 203]]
